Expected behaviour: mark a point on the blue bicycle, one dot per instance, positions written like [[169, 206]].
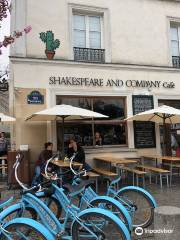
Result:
[[139, 202], [21, 228], [91, 223]]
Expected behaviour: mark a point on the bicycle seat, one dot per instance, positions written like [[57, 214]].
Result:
[[5, 202]]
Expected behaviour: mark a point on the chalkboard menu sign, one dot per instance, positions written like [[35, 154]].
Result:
[[142, 103], [144, 132]]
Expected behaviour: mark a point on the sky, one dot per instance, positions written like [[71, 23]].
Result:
[[4, 31]]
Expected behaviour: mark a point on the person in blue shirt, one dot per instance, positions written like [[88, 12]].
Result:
[[45, 155]]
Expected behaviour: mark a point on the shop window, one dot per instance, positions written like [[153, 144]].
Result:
[[175, 43], [112, 131], [87, 38]]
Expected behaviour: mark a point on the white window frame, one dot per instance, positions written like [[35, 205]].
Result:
[[105, 24], [170, 20], [178, 32], [87, 28]]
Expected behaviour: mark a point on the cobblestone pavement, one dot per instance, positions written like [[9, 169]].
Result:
[[165, 196]]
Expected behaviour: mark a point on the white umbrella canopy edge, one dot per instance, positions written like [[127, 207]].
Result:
[[169, 114], [64, 111], [7, 119]]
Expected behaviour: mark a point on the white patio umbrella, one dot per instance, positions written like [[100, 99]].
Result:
[[64, 112], [162, 115], [5, 118]]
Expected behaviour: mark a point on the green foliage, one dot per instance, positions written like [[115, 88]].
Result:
[[56, 43], [48, 38]]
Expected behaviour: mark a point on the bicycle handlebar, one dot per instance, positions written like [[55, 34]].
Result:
[[37, 188]]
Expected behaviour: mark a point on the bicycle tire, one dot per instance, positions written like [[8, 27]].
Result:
[[20, 231], [107, 204], [143, 208], [27, 212], [102, 223]]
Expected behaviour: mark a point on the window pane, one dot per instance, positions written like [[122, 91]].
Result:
[[76, 102], [111, 134], [79, 38], [114, 108], [82, 133], [174, 33], [94, 40], [174, 48], [79, 22], [94, 24]]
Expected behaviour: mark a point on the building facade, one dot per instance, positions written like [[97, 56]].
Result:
[[115, 57]]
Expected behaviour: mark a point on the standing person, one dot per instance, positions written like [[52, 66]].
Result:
[[45, 155], [3, 145], [174, 145]]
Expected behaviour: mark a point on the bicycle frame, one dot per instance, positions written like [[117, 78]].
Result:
[[85, 201]]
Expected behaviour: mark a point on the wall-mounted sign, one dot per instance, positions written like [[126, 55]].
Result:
[[144, 132], [142, 103], [4, 86], [35, 97], [100, 82]]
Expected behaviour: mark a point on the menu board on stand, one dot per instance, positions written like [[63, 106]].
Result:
[[144, 132]]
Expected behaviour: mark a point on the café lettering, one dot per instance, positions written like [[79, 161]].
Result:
[[100, 82]]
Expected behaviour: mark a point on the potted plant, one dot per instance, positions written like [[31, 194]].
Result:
[[51, 44]]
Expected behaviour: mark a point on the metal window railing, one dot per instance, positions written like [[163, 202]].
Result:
[[89, 55], [176, 61]]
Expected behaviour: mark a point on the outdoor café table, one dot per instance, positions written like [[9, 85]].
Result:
[[113, 160], [65, 164], [171, 160], [118, 162]]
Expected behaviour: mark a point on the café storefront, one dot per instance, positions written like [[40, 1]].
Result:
[[114, 90]]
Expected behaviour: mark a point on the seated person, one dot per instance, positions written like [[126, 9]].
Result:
[[3, 145], [98, 139], [45, 155], [74, 147]]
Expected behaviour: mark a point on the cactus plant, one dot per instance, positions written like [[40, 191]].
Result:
[[51, 44]]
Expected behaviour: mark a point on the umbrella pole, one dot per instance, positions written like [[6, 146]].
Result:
[[164, 135], [63, 137]]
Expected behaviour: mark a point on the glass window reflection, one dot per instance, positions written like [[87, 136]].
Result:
[[110, 131]]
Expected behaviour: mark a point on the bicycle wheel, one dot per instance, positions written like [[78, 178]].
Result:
[[106, 203], [19, 211], [139, 205], [20, 231], [98, 224]]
